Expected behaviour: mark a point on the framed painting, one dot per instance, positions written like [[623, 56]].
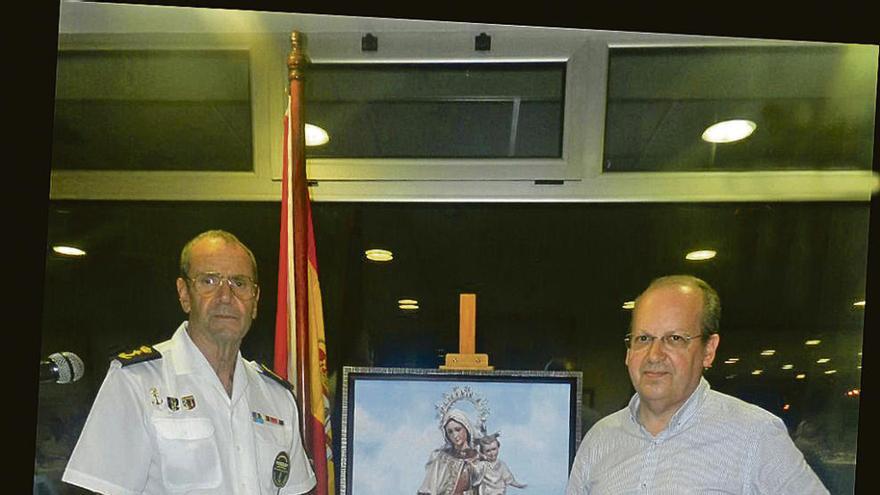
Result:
[[414, 431]]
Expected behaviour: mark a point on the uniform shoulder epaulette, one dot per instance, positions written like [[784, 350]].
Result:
[[267, 372], [139, 355]]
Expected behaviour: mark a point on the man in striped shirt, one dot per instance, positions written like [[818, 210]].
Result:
[[677, 435]]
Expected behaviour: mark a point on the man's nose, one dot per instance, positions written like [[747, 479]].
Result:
[[656, 350], [225, 290]]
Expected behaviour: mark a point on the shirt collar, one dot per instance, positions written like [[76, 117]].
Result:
[[191, 359], [681, 417]]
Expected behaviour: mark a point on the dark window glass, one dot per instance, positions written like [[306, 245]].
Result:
[[813, 107], [437, 110], [550, 280], [153, 110]]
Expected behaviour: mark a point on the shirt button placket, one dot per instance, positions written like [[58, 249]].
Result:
[[646, 480]]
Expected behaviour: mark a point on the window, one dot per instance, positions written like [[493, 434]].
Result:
[[497, 110], [153, 110], [813, 107]]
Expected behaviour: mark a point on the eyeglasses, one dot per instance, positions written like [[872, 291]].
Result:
[[242, 286], [674, 341]]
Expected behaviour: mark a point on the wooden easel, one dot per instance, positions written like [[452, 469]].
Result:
[[466, 359]]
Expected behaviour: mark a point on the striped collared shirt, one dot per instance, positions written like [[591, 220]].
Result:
[[714, 443]]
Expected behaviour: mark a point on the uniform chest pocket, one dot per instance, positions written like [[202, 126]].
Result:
[[188, 453], [272, 439]]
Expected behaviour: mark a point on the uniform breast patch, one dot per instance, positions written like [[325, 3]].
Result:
[[281, 469]]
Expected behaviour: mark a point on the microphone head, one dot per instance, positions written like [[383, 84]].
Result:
[[70, 366]]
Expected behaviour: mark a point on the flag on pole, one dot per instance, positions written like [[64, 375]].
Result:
[[300, 349]]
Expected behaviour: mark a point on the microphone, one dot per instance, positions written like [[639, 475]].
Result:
[[62, 367]]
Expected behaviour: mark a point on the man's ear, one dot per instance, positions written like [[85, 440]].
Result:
[[256, 300], [709, 350], [183, 295]]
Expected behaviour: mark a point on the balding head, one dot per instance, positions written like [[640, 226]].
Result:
[[710, 316]]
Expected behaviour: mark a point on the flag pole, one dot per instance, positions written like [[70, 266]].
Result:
[[297, 61]]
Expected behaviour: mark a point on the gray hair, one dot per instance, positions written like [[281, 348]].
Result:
[[711, 314], [229, 238]]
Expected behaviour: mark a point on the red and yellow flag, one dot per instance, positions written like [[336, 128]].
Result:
[[300, 349]]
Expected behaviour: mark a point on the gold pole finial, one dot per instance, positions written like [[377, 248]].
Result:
[[297, 60]]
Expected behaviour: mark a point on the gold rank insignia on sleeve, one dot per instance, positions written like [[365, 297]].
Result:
[[139, 355]]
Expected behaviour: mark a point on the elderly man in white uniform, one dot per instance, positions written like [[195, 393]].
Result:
[[190, 415]]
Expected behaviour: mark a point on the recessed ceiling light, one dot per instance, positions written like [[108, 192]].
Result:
[[733, 359], [787, 366], [768, 352], [830, 372], [407, 301], [410, 307], [800, 376], [813, 342], [700, 255], [757, 372], [68, 251], [860, 304], [730, 361], [315, 136], [629, 305], [379, 255], [729, 131], [823, 360]]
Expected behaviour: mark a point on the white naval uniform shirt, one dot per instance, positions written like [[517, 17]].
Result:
[[133, 442]]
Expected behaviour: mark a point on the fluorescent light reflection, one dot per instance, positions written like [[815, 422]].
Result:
[[315, 136], [629, 305], [823, 360], [379, 255], [860, 304], [68, 251], [729, 131], [700, 255], [787, 366], [800, 376], [813, 342], [768, 352]]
